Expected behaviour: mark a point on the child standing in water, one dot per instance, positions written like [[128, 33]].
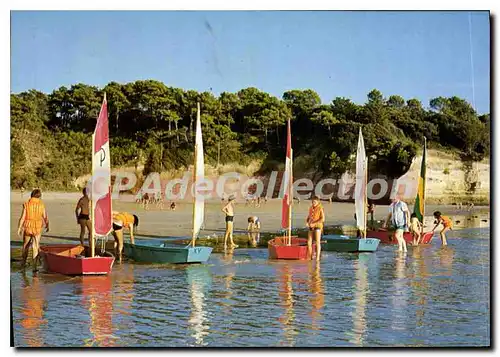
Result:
[[415, 229], [229, 211], [447, 225]]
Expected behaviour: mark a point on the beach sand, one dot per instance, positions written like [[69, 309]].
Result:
[[61, 206]]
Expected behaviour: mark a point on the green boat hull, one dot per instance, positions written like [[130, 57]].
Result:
[[159, 253], [339, 243]]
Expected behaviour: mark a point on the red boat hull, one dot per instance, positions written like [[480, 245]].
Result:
[[387, 237], [278, 249], [71, 259]]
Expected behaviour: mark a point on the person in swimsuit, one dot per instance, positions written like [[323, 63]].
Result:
[[123, 220], [33, 218], [82, 212], [415, 229], [447, 225], [229, 211], [315, 221], [253, 230]]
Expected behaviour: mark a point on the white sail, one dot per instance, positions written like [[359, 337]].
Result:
[[360, 193], [199, 172]]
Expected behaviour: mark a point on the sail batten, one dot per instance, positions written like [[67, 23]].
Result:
[[198, 176], [360, 192], [101, 175]]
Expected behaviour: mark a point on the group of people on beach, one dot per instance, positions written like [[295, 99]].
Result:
[[401, 221], [34, 218], [157, 198], [315, 221]]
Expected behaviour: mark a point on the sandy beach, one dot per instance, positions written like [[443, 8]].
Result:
[[61, 206]]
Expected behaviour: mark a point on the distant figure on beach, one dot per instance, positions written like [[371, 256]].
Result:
[[447, 225], [399, 216], [229, 212], [173, 206], [415, 229], [297, 199], [331, 199], [253, 230], [315, 221], [82, 212], [145, 201], [471, 206], [22, 191], [123, 220], [33, 218], [159, 204], [265, 199], [371, 212]]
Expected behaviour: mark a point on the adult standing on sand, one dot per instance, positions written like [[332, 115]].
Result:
[[82, 212], [229, 211], [315, 221], [399, 216], [33, 217]]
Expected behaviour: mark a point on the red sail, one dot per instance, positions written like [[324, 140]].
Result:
[[287, 182], [101, 175]]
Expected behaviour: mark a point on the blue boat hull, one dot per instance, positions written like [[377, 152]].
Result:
[[157, 252], [339, 243]]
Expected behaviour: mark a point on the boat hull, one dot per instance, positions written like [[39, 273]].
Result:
[[154, 252], [71, 259], [387, 237], [278, 249], [339, 243]]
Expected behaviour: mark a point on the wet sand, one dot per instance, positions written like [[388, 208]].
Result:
[[61, 207]]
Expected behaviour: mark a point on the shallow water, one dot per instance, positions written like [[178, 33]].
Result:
[[432, 296]]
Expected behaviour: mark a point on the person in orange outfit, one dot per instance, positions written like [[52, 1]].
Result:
[[123, 220], [447, 225], [33, 218], [315, 221]]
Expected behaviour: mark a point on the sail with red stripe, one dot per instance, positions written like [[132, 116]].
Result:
[[101, 175], [286, 209]]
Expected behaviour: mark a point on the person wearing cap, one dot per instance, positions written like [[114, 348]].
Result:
[[253, 230], [399, 216], [228, 209]]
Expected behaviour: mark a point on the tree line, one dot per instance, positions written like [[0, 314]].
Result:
[[152, 124]]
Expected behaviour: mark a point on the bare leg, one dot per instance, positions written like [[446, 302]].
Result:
[[230, 226], [226, 235], [82, 224], [88, 224], [443, 236], [317, 236], [309, 244], [34, 247], [26, 245]]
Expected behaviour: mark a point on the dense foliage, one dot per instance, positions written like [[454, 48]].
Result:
[[152, 124]]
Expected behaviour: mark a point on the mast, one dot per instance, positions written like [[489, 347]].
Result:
[[198, 173], [365, 184], [290, 197], [360, 192]]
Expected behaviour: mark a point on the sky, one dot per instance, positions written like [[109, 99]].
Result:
[[419, 55]]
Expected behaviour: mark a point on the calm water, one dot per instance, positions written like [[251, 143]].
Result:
[[432, 296]]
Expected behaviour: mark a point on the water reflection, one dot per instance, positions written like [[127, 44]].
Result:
[[446, 255], [317, 298], [199, 281], [96, 295], [285, 276], [361, 289], [32, 298], [400, 295], [419, 283]]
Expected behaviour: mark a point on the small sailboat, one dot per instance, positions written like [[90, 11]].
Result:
[[387, 237], [155, 251], [288, 246], [340, 243], [75, 259]]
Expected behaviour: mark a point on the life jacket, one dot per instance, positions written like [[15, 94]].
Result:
[[33, 220], [317, 215], [124, 217], [447, 221]]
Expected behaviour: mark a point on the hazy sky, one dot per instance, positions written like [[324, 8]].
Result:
[[414, 54]]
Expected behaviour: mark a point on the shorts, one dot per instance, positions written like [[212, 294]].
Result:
[[83, 216], [312, 229], [229, 218], [116, 227]]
